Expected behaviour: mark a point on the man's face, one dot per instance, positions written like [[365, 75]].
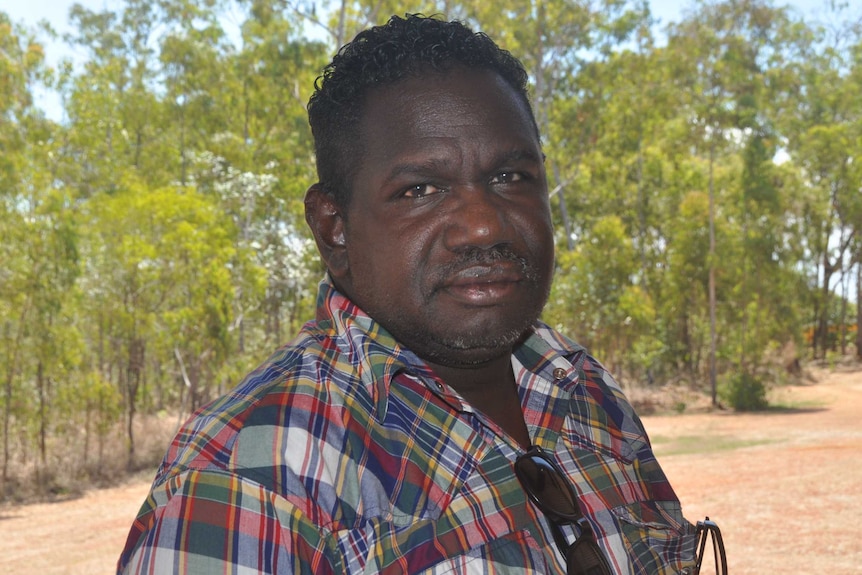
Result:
[[448, 235]]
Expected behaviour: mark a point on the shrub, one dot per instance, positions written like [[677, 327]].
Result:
[[744, 392]]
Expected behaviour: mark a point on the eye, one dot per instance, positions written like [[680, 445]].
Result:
[[421, 190], [508, 177]]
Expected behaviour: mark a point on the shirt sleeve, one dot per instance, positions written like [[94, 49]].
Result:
[[219, 522]]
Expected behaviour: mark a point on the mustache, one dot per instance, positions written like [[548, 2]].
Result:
[[488, 257]]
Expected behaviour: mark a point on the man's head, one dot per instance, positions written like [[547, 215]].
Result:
[[380, 56], [445, 237]]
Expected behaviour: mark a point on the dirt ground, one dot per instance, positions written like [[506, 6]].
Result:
[[785, 487]]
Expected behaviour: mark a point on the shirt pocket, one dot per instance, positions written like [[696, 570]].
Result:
[[657, 538]]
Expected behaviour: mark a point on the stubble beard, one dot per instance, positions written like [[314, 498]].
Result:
[[447, 346]]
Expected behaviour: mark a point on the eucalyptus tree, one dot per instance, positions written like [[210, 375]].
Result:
[[39, 254], [820, 117], [607, 311], [116, 120], [264, 175], [15, 98], [723, 51], [160, 264], [853, 203], [165, 85]]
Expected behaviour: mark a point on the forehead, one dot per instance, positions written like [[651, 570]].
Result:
[[440, 104]]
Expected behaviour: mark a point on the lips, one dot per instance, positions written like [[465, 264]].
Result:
[[484, 285], [487, 273]]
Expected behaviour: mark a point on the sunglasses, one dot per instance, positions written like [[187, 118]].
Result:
[[708, 530], [548, 488]]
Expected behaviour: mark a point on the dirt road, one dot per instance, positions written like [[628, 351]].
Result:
[[785, 487]]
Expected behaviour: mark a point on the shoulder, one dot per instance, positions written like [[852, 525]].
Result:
[[591, 370], [599, 401], [311, 378]]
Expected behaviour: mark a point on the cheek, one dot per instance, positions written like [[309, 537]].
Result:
[[537, 230], [381, 268]]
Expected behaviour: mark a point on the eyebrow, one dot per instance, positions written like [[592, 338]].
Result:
[[435, 164], [426, 166], [521, 155]]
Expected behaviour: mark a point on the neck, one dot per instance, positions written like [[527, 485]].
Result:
[[478, 378], [491, 388]]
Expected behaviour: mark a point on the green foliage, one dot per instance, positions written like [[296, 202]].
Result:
[[153, 242], [594, 286], [744, 392]]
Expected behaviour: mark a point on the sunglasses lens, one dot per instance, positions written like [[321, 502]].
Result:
[[585, 558], [548, 487]]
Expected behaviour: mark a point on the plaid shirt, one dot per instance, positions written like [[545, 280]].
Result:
[[344, 453]]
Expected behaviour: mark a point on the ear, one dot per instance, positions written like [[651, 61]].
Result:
[[326, 220]]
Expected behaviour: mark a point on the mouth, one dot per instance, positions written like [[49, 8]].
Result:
[[484, 284]]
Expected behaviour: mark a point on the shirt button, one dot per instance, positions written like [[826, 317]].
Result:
[[439, 385], [559, 373]]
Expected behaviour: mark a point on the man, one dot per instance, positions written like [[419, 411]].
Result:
[[426, 421]]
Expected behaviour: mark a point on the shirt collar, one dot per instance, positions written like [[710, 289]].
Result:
[[375, 354], [551, 355], [378, 357]]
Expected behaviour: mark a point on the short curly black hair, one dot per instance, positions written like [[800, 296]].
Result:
[[383, 55]]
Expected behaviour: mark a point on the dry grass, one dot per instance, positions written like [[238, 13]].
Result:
[[69, 470]]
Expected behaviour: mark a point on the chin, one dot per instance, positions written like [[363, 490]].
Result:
[[472, 349]]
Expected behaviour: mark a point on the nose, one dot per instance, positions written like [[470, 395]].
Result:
[[477, 219]]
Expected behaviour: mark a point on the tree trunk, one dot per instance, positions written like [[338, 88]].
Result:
[[842, 322], [43, 416], [712, 303], [642, 216], [11, 368], [823, 320], [564, 212], [133, 382], [859, 308]]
